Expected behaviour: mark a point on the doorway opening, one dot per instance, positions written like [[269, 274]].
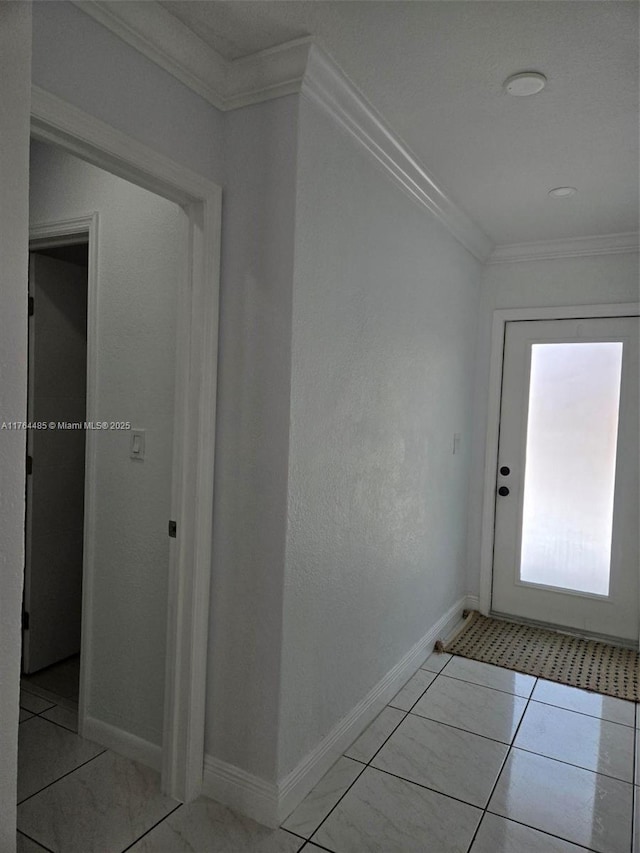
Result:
[[56, 411], [74, 131]]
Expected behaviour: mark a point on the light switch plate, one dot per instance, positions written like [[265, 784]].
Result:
[[137, 444]]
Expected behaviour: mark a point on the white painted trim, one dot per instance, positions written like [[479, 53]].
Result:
[[56, 121], [574, 247], [157, 34], [61, 232], [500, 318], [472, 602], [226, 84], [267, 74], [123, 742], [297, 784], [296, 66], [240, 790], [270, 804], [327, 86], [300, 65], [64, 232]]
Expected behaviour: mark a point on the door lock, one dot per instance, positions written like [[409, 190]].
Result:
[[503, 491]]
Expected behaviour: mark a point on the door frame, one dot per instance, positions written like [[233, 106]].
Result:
[[501, 317], [47, 235], [58, 122]]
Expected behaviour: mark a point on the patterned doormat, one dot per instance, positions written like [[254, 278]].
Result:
[[558, 657]]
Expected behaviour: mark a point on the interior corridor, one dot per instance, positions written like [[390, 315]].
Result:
[[467, 758]]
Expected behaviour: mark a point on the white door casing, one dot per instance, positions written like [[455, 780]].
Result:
[[516, 591], [490, 480], [59, 123]]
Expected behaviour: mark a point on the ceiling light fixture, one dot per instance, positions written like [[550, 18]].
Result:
[[525, 83], [562, 192]]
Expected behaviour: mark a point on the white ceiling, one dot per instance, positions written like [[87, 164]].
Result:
[[435, 72]]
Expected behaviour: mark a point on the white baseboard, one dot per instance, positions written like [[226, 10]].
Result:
[[122, 742], [271, 804], [472, 602], [241, 791], [297, 784]]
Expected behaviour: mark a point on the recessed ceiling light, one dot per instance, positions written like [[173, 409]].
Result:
[[562, 192], [525, 83]]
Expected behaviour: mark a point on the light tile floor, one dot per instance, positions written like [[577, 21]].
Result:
[[62, 678], [467, 758]]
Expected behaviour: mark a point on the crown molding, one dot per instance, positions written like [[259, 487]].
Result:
[[157, 34], [267, 74], [574, 247], [326, 85], [162, 38], [297, 66]]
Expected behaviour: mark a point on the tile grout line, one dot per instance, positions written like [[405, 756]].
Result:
[[584, 714], [42, 717], [510, 749], [529, 700], [485, 808], [64, 775], [37, 713], [537, 701], [476, 683], [520, 823], [500, 772], [316, 844], [508, 753], [157, 823], [570, 764], [543, 832], [459, 728], [44, 847], [368, 764], [295, 835]]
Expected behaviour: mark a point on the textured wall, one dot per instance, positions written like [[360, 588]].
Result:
[[384, 311], [253, 434], [142, 244], [565, 281], [81, 62], [15, 53]]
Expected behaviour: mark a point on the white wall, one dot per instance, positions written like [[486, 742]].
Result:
[[15, 54], [384, 311], [592, 280], [80, 61], [250, 508], [251, 154], [142, 245]]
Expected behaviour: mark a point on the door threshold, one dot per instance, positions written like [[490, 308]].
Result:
[[571, 632]]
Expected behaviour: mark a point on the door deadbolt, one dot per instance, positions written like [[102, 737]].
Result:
[[505, 471], [503, 491]]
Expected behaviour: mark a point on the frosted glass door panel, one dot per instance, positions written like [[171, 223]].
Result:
[[569, 482]]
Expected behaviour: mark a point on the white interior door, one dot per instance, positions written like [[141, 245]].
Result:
[[55, 486], [567, 516]]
